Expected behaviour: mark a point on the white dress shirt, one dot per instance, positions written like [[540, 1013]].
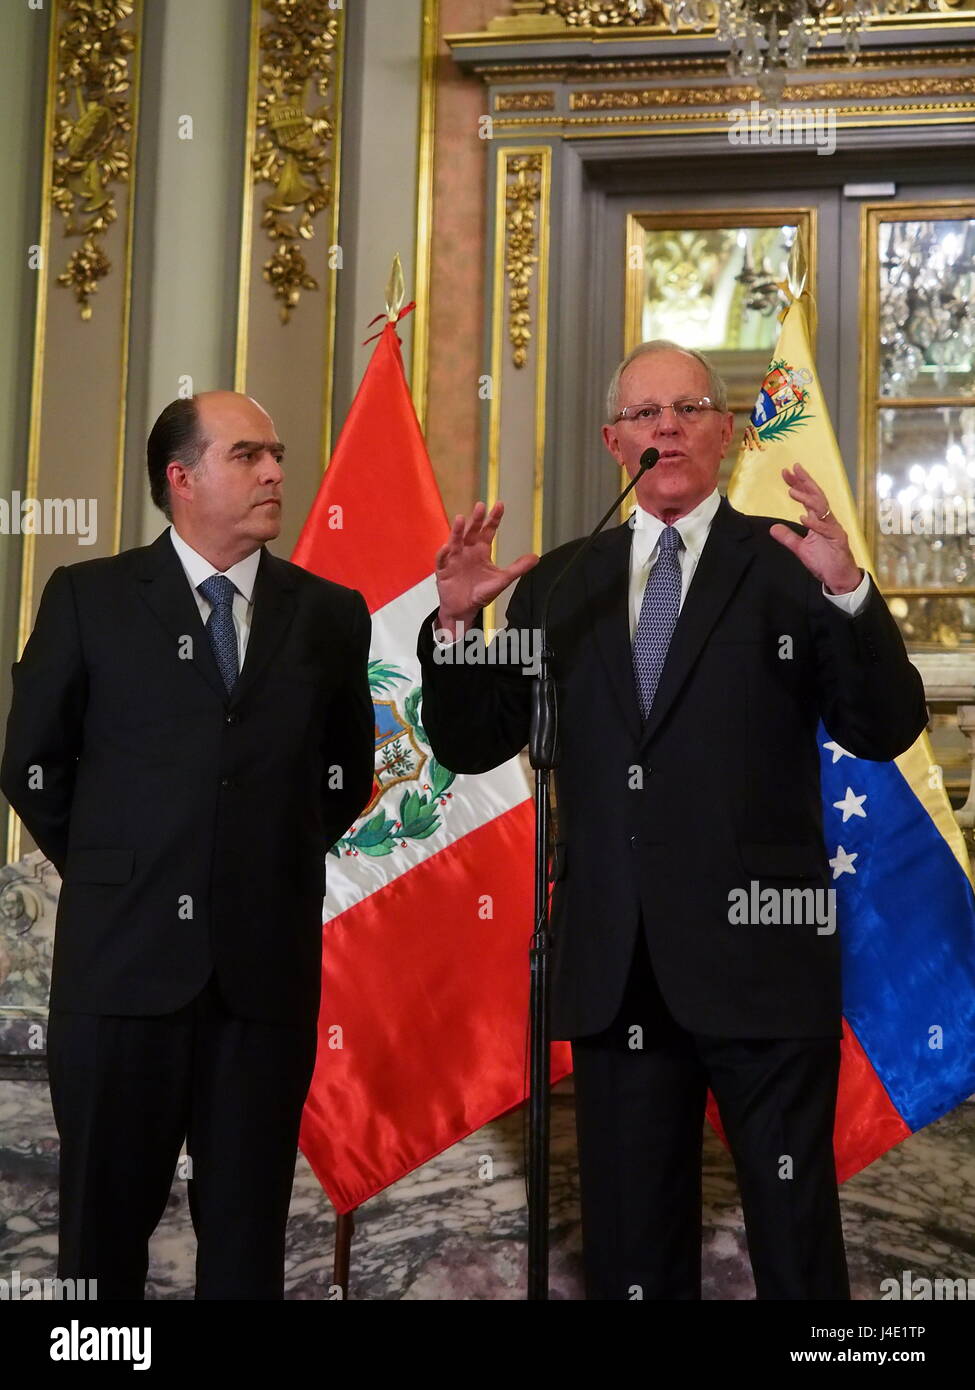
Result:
[[694, 528], [242, 575]]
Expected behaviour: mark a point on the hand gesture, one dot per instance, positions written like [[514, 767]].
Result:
[[824, 549], [467, 577]]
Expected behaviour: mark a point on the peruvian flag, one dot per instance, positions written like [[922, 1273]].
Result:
[[428, 908]]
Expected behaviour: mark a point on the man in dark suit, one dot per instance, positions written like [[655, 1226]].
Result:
[[695, 650], [191, 730]]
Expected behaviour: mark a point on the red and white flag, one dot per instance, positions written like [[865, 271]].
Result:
[[428, 908]]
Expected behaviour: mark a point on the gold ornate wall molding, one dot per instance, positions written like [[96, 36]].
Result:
[[290, 256], [652, 15], [524, 101], [689, 122], [295, 139], [83, 258], [887, 89], [583, 90], [523, 195], [94, 133], [607, 14], [519, 318], [629, 99], [511, 71], [429, 47], [638, 20]]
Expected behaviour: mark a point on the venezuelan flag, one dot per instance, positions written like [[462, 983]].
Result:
[[904, 899]]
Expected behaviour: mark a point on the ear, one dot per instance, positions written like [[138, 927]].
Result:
[[180, 481], [612, 441], [727, 430]]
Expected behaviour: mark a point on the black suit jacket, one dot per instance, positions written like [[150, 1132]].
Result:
[[719, 788], [190, 827]]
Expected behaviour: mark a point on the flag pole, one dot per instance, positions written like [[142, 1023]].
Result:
[[543, 754], [344, 1229], [345, 1220], [544, 757]]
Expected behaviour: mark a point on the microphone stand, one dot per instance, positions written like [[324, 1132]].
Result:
[[543, 754]]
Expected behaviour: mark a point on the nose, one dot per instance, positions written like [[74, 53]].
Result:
[[273, 470], [668, 422]]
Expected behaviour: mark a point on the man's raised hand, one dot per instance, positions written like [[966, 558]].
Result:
[[467, 577], [824, 549]]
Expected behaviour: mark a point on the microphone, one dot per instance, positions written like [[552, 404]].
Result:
[[647, 460], [542, 745]]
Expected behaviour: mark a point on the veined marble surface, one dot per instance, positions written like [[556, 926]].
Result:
[[445, 1232]]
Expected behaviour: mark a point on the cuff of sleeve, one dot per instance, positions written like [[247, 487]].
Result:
[[852, 602], [441, 642]]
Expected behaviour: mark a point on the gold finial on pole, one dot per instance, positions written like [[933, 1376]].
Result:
[[797, 271], [793, 287], [395, 291]]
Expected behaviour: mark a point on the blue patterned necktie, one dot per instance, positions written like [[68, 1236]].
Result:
[[658, 616], [219, 591]]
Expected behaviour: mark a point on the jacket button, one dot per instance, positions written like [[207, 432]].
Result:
[[230, 719], [633, 841], [226, 781]]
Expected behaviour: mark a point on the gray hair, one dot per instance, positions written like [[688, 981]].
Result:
[[717, 390]]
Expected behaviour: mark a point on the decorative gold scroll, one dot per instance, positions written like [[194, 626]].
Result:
[[717, 118], [679, 68], [605, 13], [85, 240], [296, 122], [636, 19], [290, 256], [522, 197], [426, 133], [630, 99], [524, 101], [519, 313], [609, 14], [93, 132]]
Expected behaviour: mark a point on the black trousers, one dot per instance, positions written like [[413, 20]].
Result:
[[127, 1092], [640, 1100]]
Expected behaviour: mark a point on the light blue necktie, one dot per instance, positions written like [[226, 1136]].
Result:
[[658, 616], [219, 591]]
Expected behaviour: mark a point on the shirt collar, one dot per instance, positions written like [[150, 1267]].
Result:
[[242, 575], [693, 528]]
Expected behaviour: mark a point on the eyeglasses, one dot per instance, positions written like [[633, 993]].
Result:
[[690, 410]]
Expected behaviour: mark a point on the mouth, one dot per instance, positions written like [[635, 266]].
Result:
[[671, 456], [269, 502]]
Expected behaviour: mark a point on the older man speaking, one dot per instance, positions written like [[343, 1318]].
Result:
[[191, 729], [695, 650]]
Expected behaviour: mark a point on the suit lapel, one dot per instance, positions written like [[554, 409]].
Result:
[[607, 577], [271, 614], [723, 561], [164, 587]]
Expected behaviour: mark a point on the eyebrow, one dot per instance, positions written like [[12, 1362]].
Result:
[[248, 445]]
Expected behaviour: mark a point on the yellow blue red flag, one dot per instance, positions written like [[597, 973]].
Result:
[[905, 906]]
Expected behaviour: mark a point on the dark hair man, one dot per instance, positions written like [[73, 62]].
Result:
[[191, 729]]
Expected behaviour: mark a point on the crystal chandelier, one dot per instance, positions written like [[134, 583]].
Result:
[[767, 39], [927, 303]]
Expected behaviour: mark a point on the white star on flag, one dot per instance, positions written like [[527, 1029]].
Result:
[[851, 805], [843, 863], [837, 751]]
